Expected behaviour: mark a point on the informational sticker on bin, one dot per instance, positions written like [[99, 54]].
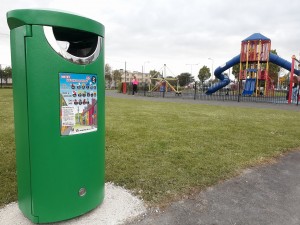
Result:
[[78, 103]]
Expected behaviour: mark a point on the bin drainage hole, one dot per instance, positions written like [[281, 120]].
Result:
[[82, 192]]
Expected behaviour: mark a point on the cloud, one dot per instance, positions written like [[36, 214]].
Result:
[[180, 32]]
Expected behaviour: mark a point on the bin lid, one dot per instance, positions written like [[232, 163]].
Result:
[[46, 17]]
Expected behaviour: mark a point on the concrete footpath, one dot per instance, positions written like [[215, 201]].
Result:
[[268, 194]]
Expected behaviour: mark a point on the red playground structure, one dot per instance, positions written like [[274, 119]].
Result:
[[254, 65], [254, 60]]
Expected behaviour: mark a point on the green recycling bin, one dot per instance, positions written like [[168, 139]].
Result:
[[58, 90]]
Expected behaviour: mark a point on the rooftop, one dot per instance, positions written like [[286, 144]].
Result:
[[256, 36]]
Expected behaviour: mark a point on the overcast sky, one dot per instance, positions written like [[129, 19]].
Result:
[[178, 33]]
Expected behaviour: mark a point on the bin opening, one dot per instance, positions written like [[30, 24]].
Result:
[[74, 45], [80, 43]]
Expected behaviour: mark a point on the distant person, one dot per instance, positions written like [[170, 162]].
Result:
[[135, 83]]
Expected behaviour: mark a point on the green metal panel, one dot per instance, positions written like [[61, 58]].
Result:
[[21, 119], [52, 168], [20, 17]]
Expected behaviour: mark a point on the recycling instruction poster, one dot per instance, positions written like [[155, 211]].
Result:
[[78, 103]]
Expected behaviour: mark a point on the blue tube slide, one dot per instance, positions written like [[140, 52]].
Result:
[[282, 63], [224, 80]]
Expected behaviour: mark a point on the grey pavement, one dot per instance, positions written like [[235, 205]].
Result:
[[264, 195]]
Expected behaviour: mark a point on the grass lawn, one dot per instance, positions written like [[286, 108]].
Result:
[[163, 150], [8, 190]]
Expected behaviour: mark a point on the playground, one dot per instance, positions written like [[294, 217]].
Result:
[[253, 82]]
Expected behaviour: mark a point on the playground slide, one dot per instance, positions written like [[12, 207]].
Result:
[[282, 63], [224, 80]]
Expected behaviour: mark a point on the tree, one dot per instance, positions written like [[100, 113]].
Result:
[[284, 80], [1, 76], [204, 73], [273, 68], [108, 76], [6, 74], [154, 74], [236, 70], [117, 76], [185, 79], [172, 81]]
